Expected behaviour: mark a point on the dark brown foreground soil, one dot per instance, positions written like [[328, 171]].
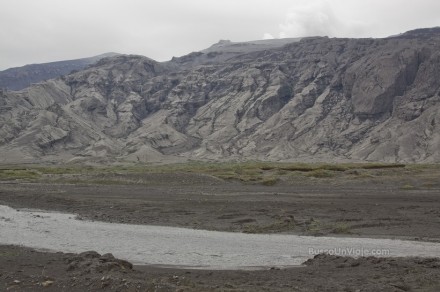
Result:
[[382, 206], [23, 269]]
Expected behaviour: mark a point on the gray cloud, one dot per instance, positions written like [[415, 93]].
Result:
[[356, 18], [318, 18], [48, 30]]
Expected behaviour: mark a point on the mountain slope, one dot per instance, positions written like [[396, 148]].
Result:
[[21, 77], [317, 99], [225, 50]]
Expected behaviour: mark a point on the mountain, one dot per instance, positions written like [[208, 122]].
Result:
[[225, 50], [314, 99], [22, 77]]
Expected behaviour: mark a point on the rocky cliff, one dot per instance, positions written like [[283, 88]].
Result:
[[314, 99], [21, 77]]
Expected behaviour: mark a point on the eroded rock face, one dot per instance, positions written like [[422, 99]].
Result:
[[313, 99], [21, 77]]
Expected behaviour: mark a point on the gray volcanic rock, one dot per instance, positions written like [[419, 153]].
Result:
[[21, 77], [225, 49], [317, 99]]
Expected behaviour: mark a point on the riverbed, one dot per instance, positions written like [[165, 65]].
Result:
[[190, 248]]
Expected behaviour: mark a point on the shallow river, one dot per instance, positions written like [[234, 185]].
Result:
[[144, 244]]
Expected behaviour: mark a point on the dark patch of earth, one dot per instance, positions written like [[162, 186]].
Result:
[[379, 208], [23, 269]]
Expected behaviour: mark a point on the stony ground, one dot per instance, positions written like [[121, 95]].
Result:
[[379, 203], [23, 269], [400, 205]]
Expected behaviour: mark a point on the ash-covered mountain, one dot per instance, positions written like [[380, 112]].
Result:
[[21, 77], [314, 99]]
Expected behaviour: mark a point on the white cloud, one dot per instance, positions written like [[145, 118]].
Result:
[[318, 18], [268, 36], [49, 30], [357, 18]]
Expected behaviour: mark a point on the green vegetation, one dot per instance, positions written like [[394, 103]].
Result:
[[341, 228], [314, 227], [321, 173], [18, 174], [270, 181], [407, 187], [8, 254], [264, 173], [278, 226]]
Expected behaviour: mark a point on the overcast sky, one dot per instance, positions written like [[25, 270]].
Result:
[[36, 31]]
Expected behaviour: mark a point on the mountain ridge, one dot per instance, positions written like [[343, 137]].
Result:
[[315, 99], [18, 78]]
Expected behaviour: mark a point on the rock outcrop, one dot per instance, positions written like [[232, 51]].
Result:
[[314, 99], [21, 77]]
